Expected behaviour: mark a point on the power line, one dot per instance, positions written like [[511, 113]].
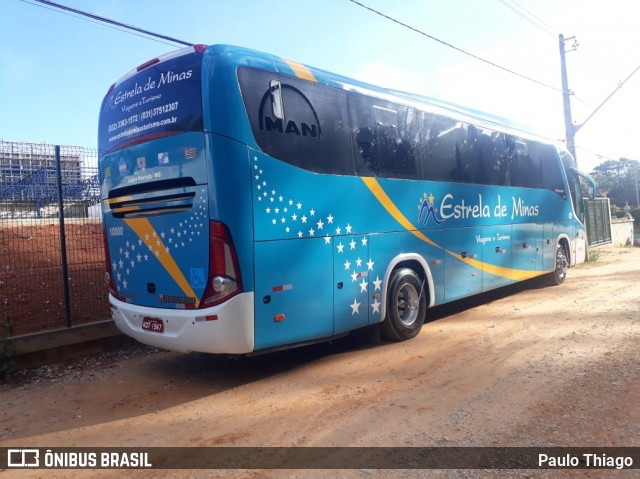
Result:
[[620, 85], [529, 16], [110, 23], [476, 57]]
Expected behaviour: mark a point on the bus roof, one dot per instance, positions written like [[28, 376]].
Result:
[[243, 56]]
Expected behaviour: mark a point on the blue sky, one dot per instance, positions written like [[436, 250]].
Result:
[[55, 68]]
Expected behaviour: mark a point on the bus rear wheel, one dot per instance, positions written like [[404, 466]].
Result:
[[406, 306], [559, 274]]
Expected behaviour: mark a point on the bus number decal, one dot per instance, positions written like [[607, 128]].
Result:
[[116, 231]]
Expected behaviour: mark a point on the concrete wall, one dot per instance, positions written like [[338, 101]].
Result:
[[622, 231]]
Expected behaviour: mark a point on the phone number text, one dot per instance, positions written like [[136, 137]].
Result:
[[145, 115]]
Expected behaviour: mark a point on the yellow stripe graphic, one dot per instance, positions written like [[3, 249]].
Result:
[[300, 70], [145, 231], [392, 209]]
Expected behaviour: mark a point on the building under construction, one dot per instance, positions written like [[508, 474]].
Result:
[[33, 182]]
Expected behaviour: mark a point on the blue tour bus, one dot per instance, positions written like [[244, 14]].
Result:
[[252, 203]]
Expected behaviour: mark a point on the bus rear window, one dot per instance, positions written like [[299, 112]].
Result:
[[162, 99]]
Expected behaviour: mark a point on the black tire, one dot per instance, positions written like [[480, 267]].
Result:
[[406, 306], [559, 274]]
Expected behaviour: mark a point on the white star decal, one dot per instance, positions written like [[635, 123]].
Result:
[[354, 277], [327, 240], [376, 306], [348, 229], [359, 262], [347, 265], [355, 307], [312, 232], [352, 244], [329, 219], [340, 248], [378, 284], [303, 218], [370, 264], [364, 241], [320, 224], [363, 286]]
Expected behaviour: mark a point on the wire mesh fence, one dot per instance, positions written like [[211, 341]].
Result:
[[51, 246]]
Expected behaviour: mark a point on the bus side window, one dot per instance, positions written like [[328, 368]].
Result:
[[300, 122], [385, 138], [437, 142], [494, 158], [551, 171]]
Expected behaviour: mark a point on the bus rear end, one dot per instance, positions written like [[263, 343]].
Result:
[[172, 266]]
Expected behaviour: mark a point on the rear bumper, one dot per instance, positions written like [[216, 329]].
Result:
[[188, 330]]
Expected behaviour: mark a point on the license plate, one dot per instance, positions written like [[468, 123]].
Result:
[[153, 324]]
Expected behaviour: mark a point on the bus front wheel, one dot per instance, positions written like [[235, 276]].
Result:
[[406, 306], [559, 274]]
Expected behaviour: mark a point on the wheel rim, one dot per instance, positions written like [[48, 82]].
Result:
[[561, 264], [408, 304]]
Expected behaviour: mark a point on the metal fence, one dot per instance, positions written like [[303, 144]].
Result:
[[51, 240], [598, 221]]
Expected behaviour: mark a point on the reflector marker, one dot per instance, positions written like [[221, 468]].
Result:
[[284, 287]]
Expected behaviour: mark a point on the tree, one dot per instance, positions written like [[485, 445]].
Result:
[[618, 179]]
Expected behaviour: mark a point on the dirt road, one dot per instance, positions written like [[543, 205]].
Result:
[[524, 366]]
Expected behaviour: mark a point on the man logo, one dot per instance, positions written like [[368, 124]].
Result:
[[291, 112]]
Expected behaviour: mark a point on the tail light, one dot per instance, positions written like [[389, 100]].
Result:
[[108, 274], [224, 279]]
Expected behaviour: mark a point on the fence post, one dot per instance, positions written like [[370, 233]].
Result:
[[63, 242]]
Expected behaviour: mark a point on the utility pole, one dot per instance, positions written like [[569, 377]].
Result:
[[569, 127]]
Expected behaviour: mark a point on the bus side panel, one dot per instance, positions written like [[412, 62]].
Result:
[[549, 247], [230, 198], [293, 292], [463, 279], [496, 256], [353, 282], [527, 251]]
